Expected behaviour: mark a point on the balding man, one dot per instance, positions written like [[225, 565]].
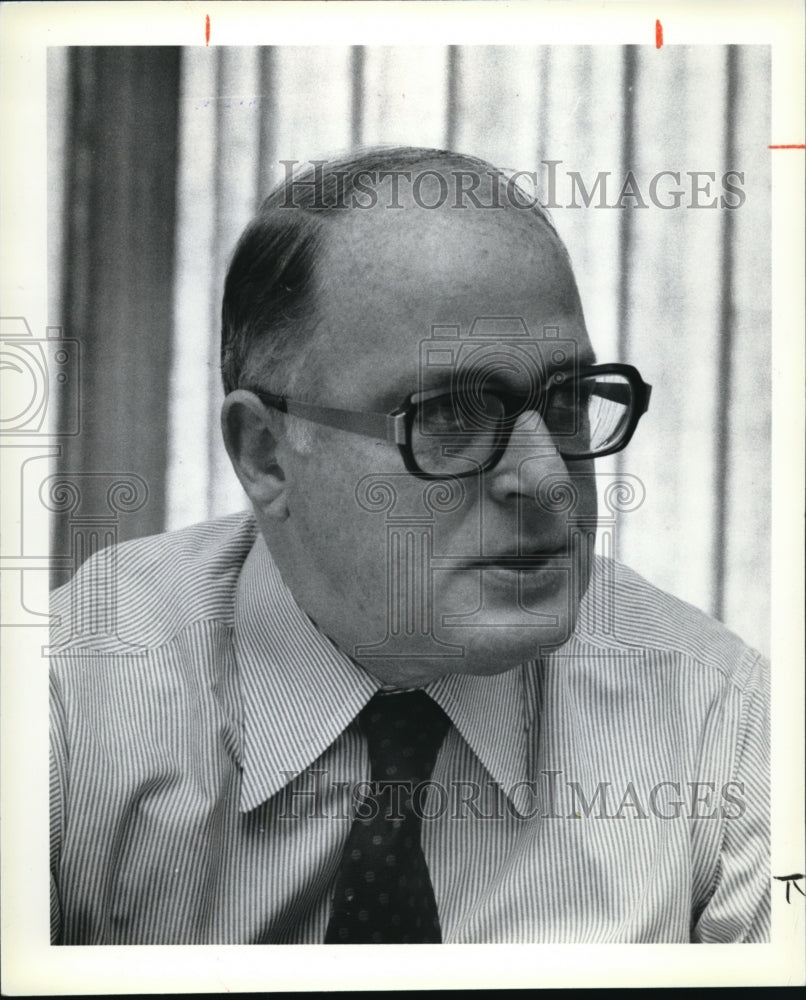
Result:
[[400, 700]]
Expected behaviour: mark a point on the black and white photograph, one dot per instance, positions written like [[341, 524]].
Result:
[[402, 472]]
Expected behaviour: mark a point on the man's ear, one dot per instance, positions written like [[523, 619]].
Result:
[[252, 447]]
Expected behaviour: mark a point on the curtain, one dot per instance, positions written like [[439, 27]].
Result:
[[678, 285]]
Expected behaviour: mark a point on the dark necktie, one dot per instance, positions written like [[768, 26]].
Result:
[[383, 891]]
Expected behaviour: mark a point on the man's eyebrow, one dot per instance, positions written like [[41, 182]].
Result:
[[431, 379], [434, 378]]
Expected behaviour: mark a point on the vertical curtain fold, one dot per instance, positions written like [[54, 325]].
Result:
[[117, 278], [727, 315]]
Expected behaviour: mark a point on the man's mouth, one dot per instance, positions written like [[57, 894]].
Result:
[[527, 560]]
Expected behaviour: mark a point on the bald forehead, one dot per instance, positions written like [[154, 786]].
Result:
[[443, 249], [387, 278], [427, 194]]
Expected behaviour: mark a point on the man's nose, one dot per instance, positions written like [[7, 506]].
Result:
[[530, 466]]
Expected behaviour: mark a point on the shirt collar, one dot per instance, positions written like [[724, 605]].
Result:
[[495, 716], [300, 692]]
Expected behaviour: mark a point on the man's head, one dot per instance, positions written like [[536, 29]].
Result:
[[355, 302]]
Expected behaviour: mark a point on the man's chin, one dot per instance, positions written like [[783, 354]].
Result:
[[420, 673], [480, 650], [476, 627], [496, 649]]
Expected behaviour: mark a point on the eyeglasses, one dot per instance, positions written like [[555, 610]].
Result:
[[459, 432]]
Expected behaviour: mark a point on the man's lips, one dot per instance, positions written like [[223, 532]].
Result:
[[535, 559]]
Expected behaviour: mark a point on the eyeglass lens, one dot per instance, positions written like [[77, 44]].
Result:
[[455, 433]]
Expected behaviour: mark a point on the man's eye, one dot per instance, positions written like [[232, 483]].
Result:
[[568, 399], [439, 415], [462, 413], [563, 400]]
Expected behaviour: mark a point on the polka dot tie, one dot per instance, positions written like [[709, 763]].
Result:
[[383, 891]]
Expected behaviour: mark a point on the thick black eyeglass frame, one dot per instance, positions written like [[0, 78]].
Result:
[[396, 427]]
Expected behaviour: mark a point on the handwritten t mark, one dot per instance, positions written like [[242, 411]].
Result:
[[790, 881]]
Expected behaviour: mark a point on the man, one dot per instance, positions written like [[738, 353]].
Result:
[[401, 701]]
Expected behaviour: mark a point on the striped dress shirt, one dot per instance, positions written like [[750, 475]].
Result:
[[206, 764]]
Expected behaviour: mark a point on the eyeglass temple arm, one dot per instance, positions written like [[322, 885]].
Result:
[[381, 426]]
